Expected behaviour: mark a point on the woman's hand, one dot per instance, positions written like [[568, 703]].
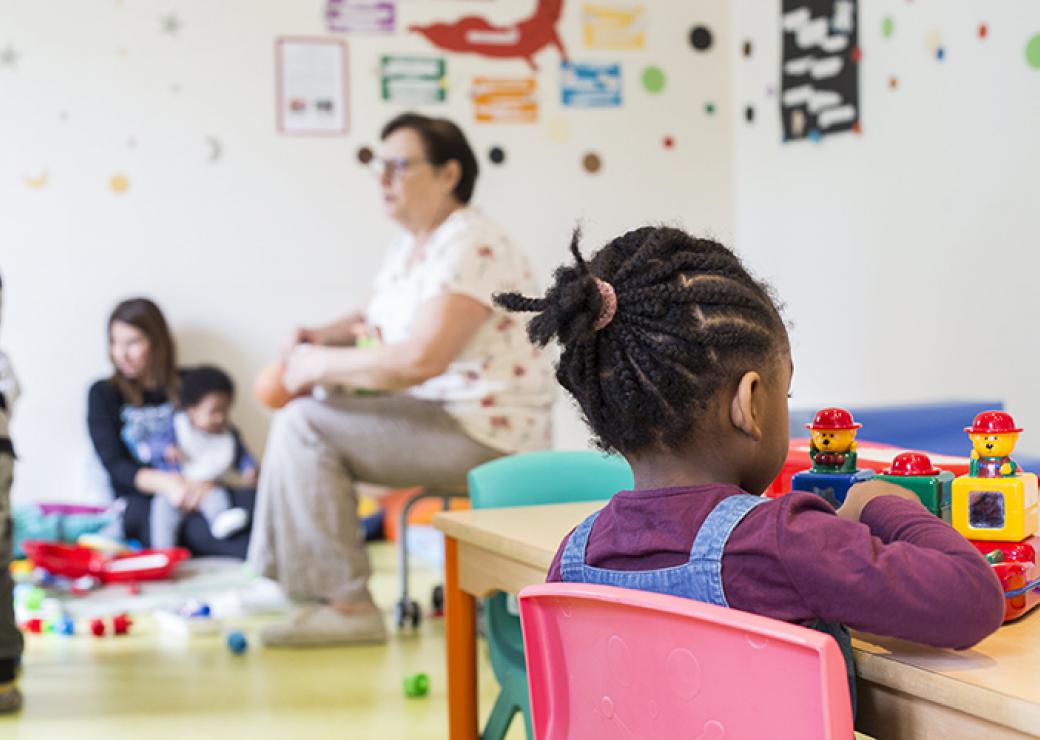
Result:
[[171, 485], [304, 368], [303, 335]]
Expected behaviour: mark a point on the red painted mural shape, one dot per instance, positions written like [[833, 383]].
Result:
[[521, 40]]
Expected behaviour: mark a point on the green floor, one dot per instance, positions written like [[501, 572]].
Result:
[[151, 685]]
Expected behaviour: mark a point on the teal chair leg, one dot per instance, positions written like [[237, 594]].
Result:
[[501, 717]]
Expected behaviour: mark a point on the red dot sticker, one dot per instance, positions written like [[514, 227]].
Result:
[[668, 142]]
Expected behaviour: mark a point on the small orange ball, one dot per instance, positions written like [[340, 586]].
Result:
[[269, 389]]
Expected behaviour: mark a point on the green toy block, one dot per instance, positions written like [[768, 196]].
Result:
[[934, 491]]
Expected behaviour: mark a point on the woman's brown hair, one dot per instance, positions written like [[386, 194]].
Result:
[[161, 373]]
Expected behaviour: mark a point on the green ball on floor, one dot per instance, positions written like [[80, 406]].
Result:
[[416, 685]]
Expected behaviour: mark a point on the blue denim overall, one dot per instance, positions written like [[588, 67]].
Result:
[[700, 578]]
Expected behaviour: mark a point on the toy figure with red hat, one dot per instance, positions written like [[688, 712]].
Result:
[[833, 454], [833, 446], [996, 507], [993, 437]]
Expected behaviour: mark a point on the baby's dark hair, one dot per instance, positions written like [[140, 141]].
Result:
[[689, 319], [199, 382]]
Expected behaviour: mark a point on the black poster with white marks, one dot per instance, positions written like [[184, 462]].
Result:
[[819, 68]]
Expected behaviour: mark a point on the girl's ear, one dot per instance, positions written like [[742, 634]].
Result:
[[743, 408]]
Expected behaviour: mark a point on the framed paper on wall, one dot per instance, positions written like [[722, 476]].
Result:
[[311, 80]]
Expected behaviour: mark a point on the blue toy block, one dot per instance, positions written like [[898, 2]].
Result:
[[831, 487]]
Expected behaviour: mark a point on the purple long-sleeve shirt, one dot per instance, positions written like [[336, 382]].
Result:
[[900, 571]]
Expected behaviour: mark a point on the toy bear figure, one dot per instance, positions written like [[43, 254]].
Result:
[[993, 437], [833, 445]]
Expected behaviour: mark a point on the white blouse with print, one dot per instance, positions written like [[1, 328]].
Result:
[[500, 387]]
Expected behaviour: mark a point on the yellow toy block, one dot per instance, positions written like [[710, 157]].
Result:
[[995, 509]]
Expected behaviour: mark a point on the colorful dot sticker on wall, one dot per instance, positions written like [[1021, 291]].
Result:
[[709, 108], [983, 30], [748, 48], [497, 155], [700, 38], [119, 183], [364, 155], [653, 79], [668, 142], [893, 83], [888, 26], [749, 113], [940, 53], [592, 163], [1033, 52], [38, 182]]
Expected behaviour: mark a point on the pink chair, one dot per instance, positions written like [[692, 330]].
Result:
[[607, 663]]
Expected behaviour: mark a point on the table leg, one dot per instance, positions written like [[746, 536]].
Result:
[[461, 628]]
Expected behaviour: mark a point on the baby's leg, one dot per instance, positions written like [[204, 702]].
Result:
[[224, 521], [165, 522]]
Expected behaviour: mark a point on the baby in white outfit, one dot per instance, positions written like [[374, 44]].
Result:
[[200, 443]]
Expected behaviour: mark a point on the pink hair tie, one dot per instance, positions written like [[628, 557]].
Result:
[[609, 307]]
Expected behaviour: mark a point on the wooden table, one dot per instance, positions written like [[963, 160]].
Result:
[[906, 691]]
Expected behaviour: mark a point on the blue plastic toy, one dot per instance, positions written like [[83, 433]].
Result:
[[237, 642]]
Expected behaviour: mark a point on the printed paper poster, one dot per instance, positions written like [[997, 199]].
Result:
[[505, 100], [312, 86], [360, 16], [590, 84], [413, 79], [819, 90], [614, 27]]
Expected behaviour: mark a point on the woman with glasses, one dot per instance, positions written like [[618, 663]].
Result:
[[429, 380]]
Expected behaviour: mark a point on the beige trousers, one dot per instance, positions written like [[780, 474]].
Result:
[[306, 532]]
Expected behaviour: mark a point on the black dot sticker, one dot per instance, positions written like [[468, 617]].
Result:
[[497, 155], [749, 113], [700, 38], [364, 155], [747, 48]]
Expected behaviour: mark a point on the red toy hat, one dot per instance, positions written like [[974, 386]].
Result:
[[992, 422], [833, 419], [911, 463]]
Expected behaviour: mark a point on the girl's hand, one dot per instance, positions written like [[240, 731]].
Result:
[[304, 368], [250, 477], [863, 493]]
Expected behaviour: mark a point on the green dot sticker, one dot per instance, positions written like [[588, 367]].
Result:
[[709, 108], [653, 79], [1033, 52], [888, 26]]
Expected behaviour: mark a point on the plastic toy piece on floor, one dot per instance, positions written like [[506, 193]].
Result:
[[74, 561], [416, 685], [121, 624], [237, 642], [97, 627]]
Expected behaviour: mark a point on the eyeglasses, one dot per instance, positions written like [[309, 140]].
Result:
[[393, 168]]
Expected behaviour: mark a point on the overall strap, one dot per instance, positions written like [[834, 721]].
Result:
[[573, 559], [719, 525]]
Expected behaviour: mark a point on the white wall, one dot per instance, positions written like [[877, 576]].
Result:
[[907, 255], [283, 230]]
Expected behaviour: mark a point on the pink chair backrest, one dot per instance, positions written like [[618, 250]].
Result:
[[605, 663]]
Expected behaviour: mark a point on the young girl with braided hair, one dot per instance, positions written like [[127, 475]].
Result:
[[680, 361]]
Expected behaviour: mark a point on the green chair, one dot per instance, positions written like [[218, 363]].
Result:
[[550, 477]]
